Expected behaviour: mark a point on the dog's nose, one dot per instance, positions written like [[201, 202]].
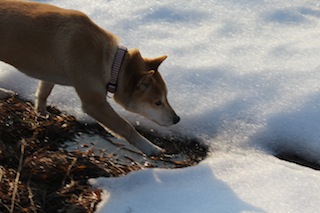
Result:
[[176, 119]]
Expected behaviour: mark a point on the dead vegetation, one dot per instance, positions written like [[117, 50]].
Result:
[[37, 175]]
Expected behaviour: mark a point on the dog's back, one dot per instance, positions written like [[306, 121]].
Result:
[[39, 38], [25, 26]]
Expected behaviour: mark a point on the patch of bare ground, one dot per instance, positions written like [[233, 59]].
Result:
[[37, 175]]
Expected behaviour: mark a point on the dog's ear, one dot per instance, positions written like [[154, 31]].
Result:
[[154, 63], [145, 80]]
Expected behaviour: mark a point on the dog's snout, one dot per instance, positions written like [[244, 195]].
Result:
[[176, 119]]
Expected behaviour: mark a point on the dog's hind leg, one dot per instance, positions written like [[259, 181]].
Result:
[[43, 91]]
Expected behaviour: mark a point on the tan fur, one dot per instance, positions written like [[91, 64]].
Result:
[[65, 47]]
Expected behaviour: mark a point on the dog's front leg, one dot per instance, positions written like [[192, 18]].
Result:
[[43, 91], [94, 104], [109, 119]]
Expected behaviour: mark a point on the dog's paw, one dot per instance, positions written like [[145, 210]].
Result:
[[149, 148], [41, 110], [6, 93], [155, 151], [42, 113]]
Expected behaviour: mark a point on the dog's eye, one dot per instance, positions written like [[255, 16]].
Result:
[[158, 103]]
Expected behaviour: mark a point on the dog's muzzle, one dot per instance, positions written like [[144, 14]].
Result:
[[176, 119]]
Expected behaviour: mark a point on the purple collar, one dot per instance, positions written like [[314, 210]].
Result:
[[115, 70]]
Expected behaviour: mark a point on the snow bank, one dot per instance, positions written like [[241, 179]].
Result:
[[237, 182]]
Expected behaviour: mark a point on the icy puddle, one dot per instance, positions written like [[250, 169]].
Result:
[[187, 153]]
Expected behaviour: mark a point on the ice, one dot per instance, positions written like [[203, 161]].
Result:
[[244, 76]]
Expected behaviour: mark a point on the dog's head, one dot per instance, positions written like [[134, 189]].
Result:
[[144, 91]]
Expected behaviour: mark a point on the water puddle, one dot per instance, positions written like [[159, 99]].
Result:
[[123, 153]]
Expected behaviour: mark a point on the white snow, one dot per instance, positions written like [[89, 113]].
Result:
[[227, 182], [244, 76]]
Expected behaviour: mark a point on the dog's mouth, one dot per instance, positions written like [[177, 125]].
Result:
[[162, 117], [172, 121]]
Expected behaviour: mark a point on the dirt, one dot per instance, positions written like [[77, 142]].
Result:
[[37, 174]]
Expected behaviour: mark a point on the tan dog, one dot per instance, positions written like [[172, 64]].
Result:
[[65, 47]]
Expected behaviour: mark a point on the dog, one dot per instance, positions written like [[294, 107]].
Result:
[[59, 46]]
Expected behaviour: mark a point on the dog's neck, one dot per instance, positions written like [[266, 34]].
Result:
[[115, 70]]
